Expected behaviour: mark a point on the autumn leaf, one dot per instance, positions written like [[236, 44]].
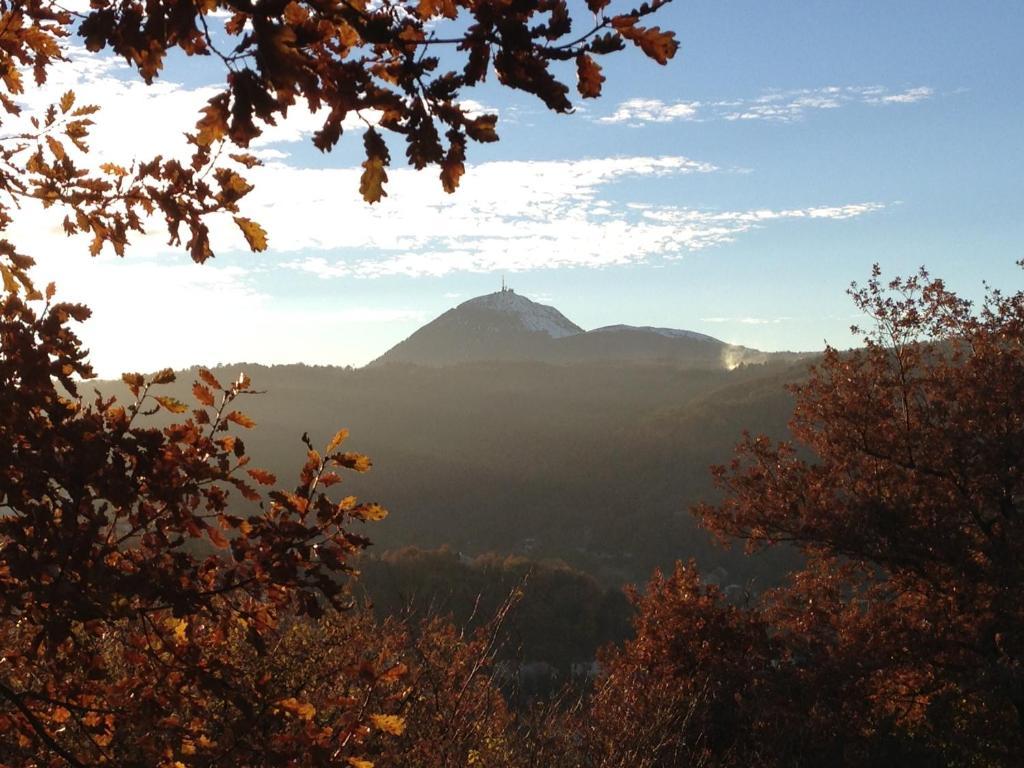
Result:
[[658, 45], [202, 394], [240, 419], [262, 477], [354, 461], [210, 379], [393, 674], [590, 77], [178, 627], [429, 8], [356, 762], [249, 161], [482, 128], [392, 724], [56, 148], [370, 512], [171, 404], [303, 710], [67, 101], [213, 125], [254, 234], [337, 440], [371, 183]]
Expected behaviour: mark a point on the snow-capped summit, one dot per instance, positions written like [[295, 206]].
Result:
[[498, 326], [533, 316]]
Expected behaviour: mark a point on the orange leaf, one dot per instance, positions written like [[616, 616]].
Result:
[[590, 77], [217, 538], [262, 477], [209, 378], [202, 394], [660, 46], [429, 8], [56, 147], [241, 419], [249, 161]]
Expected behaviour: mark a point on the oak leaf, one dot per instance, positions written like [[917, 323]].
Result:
[[254, 234]]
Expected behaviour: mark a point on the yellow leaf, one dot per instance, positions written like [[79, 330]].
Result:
[[171, 404], [371, 183], [298, 708], [356, 762], [370, 512], [254, 234], [178, 628], [338, 439], [392, 724]]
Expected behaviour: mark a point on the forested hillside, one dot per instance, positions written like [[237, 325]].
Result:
[[596, 464]]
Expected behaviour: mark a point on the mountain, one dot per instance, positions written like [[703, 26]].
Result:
[[507, 326], [498, 326]]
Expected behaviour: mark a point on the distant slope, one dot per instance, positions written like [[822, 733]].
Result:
[[507, 326]]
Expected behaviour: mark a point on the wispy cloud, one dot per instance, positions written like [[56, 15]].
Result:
[[747, 320], [773, 106], [512, 216]]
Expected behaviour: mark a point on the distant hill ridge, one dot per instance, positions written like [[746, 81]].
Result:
[[505, 325]]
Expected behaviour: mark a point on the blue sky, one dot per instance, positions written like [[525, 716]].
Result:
[[736, 192]]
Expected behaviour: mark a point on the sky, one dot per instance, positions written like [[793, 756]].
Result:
[[736, 191]]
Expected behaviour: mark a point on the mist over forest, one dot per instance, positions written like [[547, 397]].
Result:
[[595, 464]]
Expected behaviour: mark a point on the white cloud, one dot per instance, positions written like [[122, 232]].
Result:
[[639, 111], [906, 97], [774, 106]]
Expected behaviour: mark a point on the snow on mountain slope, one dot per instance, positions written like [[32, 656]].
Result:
[[532, 316], [671, 333]]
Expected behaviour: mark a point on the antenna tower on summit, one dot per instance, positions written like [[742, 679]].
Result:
[[504, 286]]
